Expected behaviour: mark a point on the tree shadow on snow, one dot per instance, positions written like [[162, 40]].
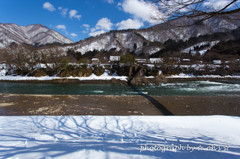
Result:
[[60, 136]]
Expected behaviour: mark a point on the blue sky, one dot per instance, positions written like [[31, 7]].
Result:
[[76, 19], [79, 19]]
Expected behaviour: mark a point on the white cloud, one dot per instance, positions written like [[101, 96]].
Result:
[[86, 28], [216, 4], [86, 25], [61, 27], [74, 14], [129, 24], [176, 6], [63, 11], [49, 6], [103, 25], [74, 35], [110, 1], [143, 10]]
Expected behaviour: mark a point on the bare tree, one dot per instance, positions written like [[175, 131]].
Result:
[[7, 57], [203, 9]]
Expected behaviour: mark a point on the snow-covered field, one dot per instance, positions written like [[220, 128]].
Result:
[[120, 137]]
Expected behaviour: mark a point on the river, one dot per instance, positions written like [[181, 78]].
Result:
[[190, 88]]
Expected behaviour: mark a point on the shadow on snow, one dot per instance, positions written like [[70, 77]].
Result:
[[69, 134]]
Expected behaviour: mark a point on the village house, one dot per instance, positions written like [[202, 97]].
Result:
[[217, 62], [198, 62], [155, 60], [174, 60], [114, 58], [141, 61], [185, 61], [95, 60], [3, 65], [236, 61]]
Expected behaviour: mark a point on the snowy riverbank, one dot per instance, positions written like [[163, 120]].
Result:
[[104, 76], [108, 78], [120, 137], [182, 75]]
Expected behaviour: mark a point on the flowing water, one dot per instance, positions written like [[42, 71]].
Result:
[[193, 88]]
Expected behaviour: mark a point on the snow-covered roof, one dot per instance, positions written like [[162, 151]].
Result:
[[141, 60], [174, 58], [95, 59], [114, 58], [217, 62], [150, 65], [155, 60], [186, 60]]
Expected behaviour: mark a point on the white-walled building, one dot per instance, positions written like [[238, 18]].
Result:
[[95, 60], [217, 62], [141, 60], [114, 58], [156, 60], [186, 60]]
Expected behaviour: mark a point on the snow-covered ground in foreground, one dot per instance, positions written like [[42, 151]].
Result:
[[120, 137]]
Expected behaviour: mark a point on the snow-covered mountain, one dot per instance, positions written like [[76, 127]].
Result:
[[149, 40], [31, 34]]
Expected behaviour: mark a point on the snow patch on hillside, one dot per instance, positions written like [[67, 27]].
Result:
[[202, 52]]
